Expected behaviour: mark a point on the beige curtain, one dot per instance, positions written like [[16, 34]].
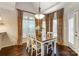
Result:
[[49, 24], [38, 23], [20, 17], [51, 17], [60, 14]]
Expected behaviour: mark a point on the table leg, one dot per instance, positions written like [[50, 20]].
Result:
[[54, 47], [42, 49]]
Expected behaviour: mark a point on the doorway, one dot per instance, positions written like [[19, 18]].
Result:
[[73, 30]]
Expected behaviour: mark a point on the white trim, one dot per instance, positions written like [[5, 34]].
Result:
[[74, 46]]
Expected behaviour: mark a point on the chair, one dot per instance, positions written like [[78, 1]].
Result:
[[33, 46], [28, 44]]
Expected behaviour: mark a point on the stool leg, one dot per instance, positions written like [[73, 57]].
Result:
[[31, 51], [54, 47], [36, 49], [42, 49], [47, 49]]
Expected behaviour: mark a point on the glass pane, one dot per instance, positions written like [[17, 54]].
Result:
[[55, 28], [25, 27], [32, 28], [28, 27], [43, 30], [55, 25], [71, 30]]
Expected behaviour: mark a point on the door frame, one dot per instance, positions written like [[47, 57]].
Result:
[[75, 13]]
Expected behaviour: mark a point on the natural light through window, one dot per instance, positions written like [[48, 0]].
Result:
[[28, 26], [43, 30], [55, 26], [71, 30]]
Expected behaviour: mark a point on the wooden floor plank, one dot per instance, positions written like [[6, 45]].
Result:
[[18, 50]]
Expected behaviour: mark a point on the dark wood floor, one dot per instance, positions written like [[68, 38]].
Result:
[[21, 51], [65, 51]]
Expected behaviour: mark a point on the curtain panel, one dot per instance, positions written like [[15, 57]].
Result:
[[60, 14], [49, 24], [20, 17], [51, 16], [38, 23]]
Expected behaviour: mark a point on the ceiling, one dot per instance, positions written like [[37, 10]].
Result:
[[30, 6], [33, 6], [43, 5], [7, 5]]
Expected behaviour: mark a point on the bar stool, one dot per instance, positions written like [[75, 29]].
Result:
[[47, 47], [28, 44], [33, 46]]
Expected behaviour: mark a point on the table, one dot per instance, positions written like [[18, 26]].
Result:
[[42, 46]]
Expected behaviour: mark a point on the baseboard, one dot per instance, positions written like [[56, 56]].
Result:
[[74, 49], [11, 45], [0, 48], [7, 46]]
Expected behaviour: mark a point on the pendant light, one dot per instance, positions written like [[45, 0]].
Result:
[[39, 15], [0, 18]]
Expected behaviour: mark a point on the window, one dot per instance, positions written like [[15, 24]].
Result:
[[32, 28], [43, 30], [25, 27], [71, 30], [55, 26], [28, 27]]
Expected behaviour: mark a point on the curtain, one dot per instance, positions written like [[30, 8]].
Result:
[[51, 16], [47, 25], [40, 31], [38, 23], [20, 17], [60, 14]]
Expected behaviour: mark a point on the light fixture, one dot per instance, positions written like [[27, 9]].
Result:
[[0, 18], [39, 15], [1, 23]]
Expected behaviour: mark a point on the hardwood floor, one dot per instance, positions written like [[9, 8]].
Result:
[[13, 51], [18, 50], [65, 51]]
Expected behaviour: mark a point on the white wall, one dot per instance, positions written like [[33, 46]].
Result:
[[9, 18], [67, 10]]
